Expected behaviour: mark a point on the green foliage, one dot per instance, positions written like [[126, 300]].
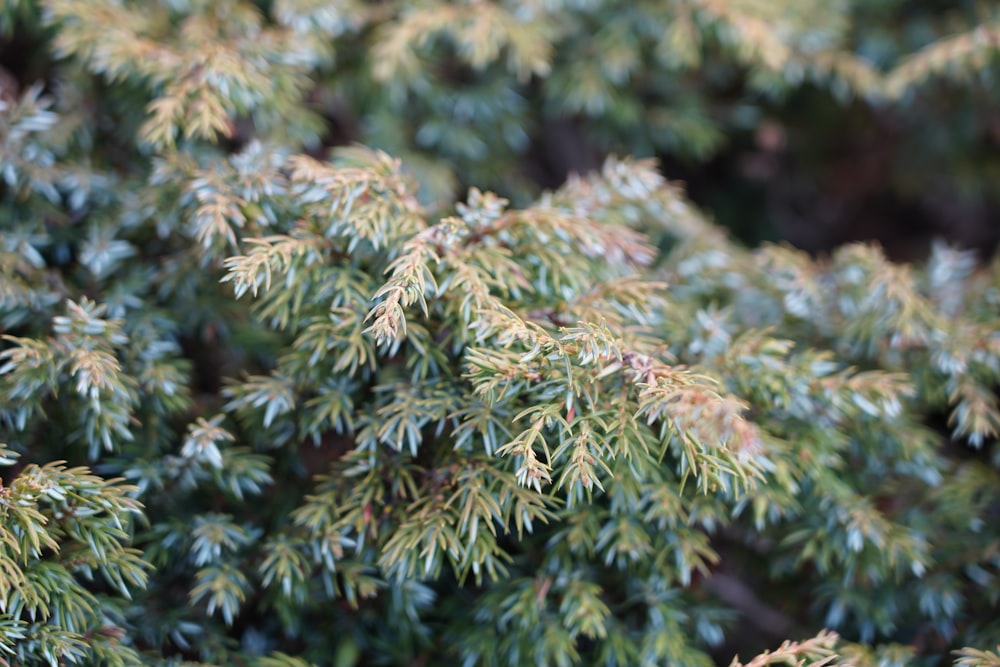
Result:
[[62, 527], [336, 417]]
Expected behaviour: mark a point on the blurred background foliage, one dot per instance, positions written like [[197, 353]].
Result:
[[815, 121]]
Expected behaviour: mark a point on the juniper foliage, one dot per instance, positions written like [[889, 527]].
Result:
[[331, 419]]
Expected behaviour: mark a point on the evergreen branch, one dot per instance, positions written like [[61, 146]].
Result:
[[955, 57], [411, 281], [816, 652], [970, 657]]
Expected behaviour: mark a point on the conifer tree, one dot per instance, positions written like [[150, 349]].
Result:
[[267, 404]]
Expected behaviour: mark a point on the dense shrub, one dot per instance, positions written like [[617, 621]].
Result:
[[333, 416]]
